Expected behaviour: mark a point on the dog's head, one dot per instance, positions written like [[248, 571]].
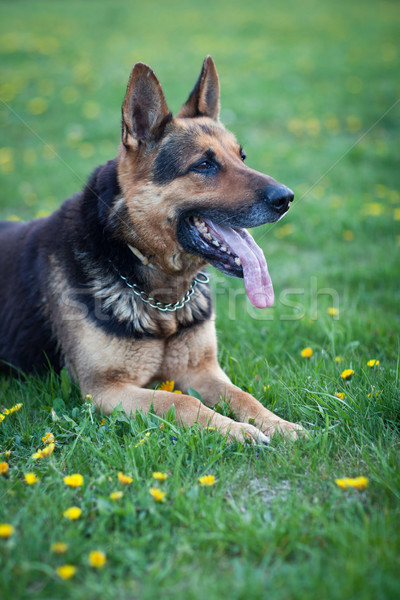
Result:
[[188, 194]]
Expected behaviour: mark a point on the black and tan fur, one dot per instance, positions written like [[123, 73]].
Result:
[[63, 302]]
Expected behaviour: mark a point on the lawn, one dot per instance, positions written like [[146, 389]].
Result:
[[312, 92]]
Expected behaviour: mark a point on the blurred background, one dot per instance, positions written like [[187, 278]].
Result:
[[310, 89]]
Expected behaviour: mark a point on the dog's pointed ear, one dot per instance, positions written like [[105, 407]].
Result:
[[204, 98], [144, 110]]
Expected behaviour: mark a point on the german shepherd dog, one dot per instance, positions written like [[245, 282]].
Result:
[[110, 285]]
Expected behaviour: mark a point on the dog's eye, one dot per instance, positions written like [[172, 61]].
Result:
[[242, 154], [205, 166]]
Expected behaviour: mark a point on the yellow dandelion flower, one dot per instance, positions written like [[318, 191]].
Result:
[[347, 374], [140, 442], [45, 452], [13, 409], [2, 418], [59, 548], [167, 386], [360, 483], [124, 479], [31, 479], [66, 571], [339, 395], [6, 530], [348, 235], [116, 495], [157, 495], [7, 453], [306, 352], [72, 513], [37, 106], [373, 363], [48, 438], [4, 468], [207, 480], [338, 359], [75, 480], [160, 476], [97, 559], [333, 311]]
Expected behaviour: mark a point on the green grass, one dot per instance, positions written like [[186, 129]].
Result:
[[310, 90]]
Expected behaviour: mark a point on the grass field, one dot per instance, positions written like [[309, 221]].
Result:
[[312, 92]]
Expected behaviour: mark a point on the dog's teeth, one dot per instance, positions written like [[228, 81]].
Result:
[[216, 243], [208, 236], [224, 248], [238, 261]]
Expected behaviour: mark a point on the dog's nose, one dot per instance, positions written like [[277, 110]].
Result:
[[278, 196]]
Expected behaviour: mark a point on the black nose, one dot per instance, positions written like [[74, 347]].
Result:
[[278, 196]]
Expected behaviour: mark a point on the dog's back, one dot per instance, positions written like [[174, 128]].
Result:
[[25, 333]]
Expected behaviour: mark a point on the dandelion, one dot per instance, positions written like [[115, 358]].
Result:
[[66, 571], [372, 363], [4, 468], [348, 235], [116, 495], [2, 417], [75, 480], [7, 453], [360, 483], [72, 513], [13, 409], [59, 548], [97, 559], [45, 453], [160, 476], [333, 312], [140, 442], [168, 386], [338, 359], [31, 479], [207, 480], [48, 438], [6, 530], [306, 352], [347, 374], [339, 395], [157, 495], [124, 479], [37, 106]]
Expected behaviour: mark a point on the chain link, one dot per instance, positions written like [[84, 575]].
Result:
[[201, 278]]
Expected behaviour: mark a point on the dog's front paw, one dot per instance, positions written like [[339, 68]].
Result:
[[241, 432]]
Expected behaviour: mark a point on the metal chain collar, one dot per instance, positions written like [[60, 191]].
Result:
[[201, 278]]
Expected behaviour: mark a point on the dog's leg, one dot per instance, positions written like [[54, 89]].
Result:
[[212, 384], [188, 410]]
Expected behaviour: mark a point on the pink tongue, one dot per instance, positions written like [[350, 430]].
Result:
[[257, 280]]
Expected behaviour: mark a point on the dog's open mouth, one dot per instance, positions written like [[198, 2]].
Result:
[[234, 252]]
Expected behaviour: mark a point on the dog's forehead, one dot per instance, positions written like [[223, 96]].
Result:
[[197, 135]]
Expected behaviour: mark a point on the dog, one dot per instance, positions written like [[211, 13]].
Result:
[[110, 285]]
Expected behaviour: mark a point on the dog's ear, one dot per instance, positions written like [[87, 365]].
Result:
[[144, 110], [204, 98]]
